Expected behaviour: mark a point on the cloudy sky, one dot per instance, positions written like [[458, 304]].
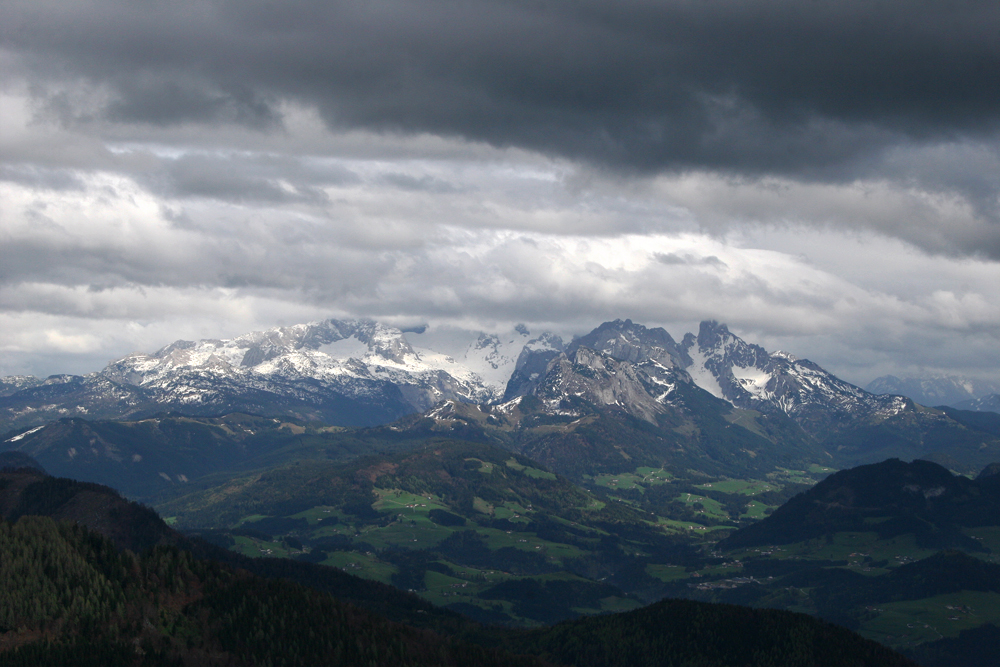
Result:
[[822, 175]]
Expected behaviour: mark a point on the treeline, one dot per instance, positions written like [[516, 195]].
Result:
[[70, 597]]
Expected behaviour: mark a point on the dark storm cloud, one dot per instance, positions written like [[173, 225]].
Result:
[[763, 86]]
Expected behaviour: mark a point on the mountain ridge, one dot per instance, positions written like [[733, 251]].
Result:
[[362, 373], [368, 363], [889, 498], [951, 390]]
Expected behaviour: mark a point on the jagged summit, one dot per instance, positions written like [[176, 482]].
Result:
[[750, 377], [627, 341], [347, 372], [651, 365], [629, 367], [359, 371], [364, 373]]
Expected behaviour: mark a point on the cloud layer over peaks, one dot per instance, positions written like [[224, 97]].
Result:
[[824, 176]]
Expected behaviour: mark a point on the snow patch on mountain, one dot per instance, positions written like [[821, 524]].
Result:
[[486, 358], [702, 376], [26, 433], [753, 379], [345, 348]]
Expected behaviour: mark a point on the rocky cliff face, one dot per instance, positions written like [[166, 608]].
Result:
[[360, 372], [627, 366], [600, 379], [357, 372], [749, 377]]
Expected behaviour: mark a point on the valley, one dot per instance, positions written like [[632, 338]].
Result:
[[608, 473], [72, 596], [472, 528]]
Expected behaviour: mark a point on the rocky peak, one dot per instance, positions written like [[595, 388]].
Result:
[[712, 334], [726, 366], [599, 379], [723, 348], [627, 341], [531, 365], [387, 342], [749, 377]]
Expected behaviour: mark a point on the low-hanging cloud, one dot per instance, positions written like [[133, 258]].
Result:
[[823, 176]]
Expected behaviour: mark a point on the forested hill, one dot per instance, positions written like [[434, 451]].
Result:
[[71, 597], [683, 632], [18, 460], [128, 524], [890, 498]]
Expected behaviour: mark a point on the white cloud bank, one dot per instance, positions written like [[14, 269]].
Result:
[[117, 238]]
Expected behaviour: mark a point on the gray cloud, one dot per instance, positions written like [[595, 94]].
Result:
[[40, 178], [198, 169], [672, 258], [243, 179], [769, 86], [420, 184]]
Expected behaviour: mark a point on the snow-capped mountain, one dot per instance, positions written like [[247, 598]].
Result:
[[712, 400], [943, 390], [14, 383], [643, 368], [750, 377], [356, 372], [351, 372], [353, 358], [709, 393]]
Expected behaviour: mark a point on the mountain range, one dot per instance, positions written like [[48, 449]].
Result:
[[957, 392], [360, 372], [604, 402], [348, 372], [658, 436]]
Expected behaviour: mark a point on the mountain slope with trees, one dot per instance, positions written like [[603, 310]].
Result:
[[71, 596]]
